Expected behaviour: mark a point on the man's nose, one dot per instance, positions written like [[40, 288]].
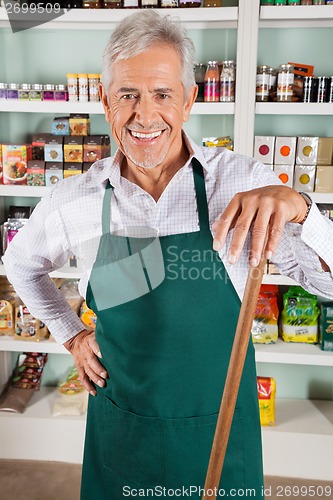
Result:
[[145, 111]]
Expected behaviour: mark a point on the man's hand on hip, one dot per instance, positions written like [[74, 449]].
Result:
[[85, 351], [263, 210]]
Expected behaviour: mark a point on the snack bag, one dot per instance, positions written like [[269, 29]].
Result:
[[27, 327], [300, 316], [265, 323], [88, 317], [266, 387], [71, 398]]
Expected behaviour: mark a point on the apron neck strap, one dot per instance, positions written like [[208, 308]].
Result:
[[200, 189]]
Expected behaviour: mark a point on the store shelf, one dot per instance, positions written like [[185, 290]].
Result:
[[293, 354], [310, 16], [301, 442], [278, 279], [36, 435], [96, 108], [10, 344], [25, 191], [322, 197], [210, 18], [294, 108]]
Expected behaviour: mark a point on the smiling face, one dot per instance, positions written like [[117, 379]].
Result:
[[146, 107]]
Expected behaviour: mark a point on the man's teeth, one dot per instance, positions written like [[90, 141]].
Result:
[[146, 136]]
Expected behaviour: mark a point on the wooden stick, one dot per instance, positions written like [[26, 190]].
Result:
[[235, 370]]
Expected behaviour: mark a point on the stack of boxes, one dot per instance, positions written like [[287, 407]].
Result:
[[69, 150], [303, 163]]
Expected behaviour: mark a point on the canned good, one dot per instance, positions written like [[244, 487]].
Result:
[[285, 83], [262, 83], [310, 89]]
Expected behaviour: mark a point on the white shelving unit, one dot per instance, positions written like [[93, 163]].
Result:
[[304, 428]]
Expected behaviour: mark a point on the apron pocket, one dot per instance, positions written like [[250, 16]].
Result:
[[132, 446], [188, 444]]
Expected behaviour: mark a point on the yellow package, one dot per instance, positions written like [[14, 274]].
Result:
[[6, 317], [266, 387], [27, 327], [88, 317]]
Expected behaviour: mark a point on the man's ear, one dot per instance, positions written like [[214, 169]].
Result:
[[190, 99], [105, 101]]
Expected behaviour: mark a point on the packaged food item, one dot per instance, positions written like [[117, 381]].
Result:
[[299, 316], [285, 150], [36, 92], [227, 80], [93, 79], [83, 87], [60, 125], [72, 83], [262, 83], [324, 179], [285, 84], [71, 292], [285, 173], [326, 326], [36, 173], [301, 71], [88, 317], [38, 145], [73, 149], [310, 89], [265, 324], [27, 327], [85, 167], [9, 229], [28, 370], [304, 178], [325, 151], [53, 149], [199, 73], [307, 150], [266, 387], [53, 173], [94, 147], [7, 321], [61, 93], [48, 92], [3, 90], [79, 124], [14, 159], [71, 397], [72, 169], [264, 149], [212, 82], [225, 142]]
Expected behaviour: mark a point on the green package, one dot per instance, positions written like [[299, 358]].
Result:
[[300, 316], [326, 326]]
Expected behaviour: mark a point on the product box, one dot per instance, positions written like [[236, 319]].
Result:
[[307, 150], [85, 167], [72, 169], [14, 160], [304, 178], [324, 179], [53, 173], [93, 149], [53, 149], [73, 149], [300, 72], [285, 150], [325, 151], [60, 126], [36, 173], [79, 124], [38, 145], [285, 173], [326, 326], [271, 268], [264, 149], [106, 146]]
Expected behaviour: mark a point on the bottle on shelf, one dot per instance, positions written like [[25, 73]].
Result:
[[92, 4], [227, 81], [132, 4], [112, 4], [169, 4], [199, 73], [149, 4], [262, 83], [285, 83], [294, 2], [189, 3], [212, 82], [73, 94], [280, 2], [83, 87], [306, 2], [212, 3]]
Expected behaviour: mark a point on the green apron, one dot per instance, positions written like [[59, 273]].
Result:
[[150, 430]]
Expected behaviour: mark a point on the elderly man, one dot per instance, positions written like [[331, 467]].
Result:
[[156, 365]]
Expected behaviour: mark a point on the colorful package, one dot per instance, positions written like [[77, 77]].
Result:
[[14, 160], [265, 323], [88, 317], [27, 327], [225, 142], [266, 387], [299, 316], [326, 326]]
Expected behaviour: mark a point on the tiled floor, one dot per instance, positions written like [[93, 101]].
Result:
[[25, 480]]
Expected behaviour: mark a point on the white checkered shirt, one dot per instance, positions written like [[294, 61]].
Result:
[[68, 221]]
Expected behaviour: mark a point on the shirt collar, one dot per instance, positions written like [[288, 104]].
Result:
[[110, 168]]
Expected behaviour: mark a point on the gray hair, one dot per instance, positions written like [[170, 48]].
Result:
[[140, 31]]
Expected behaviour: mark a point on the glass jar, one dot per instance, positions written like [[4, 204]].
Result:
[[24, 92], [318, 2], [92, 4], [306, 2], [149, 4], [272, 74], [112, 4], [280, 2], [212, 3], [61, 93], [132, 4], [285, 83], [48, 92], [93, 81], [199, 74], [212, 82], [294, 2], [262, 83], [72, 87], [3, 90], [12, 91], [36, 92], [189, 3], [169, 4], [228, 81], [267, 2], [83, 87]]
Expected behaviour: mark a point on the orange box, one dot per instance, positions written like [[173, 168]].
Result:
[[301, 71], [15, 158]]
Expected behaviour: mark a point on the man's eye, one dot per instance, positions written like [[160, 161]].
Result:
[[163, 96], [127, 97]]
